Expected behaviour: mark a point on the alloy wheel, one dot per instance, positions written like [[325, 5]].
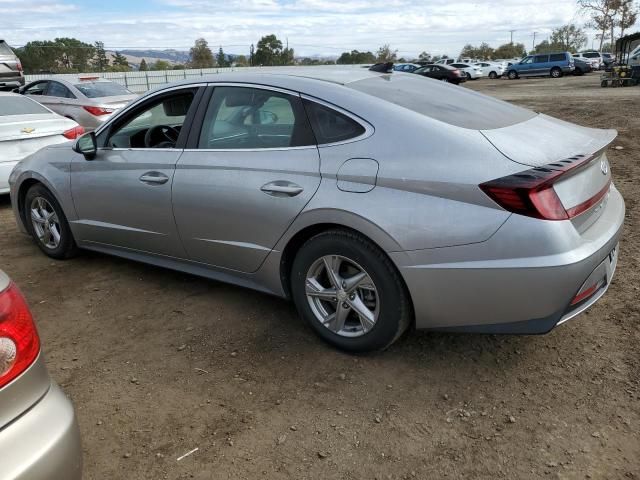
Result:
[[45, 222], [342, 296]]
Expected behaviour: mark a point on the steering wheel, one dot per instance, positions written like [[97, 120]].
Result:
[[161, 136]]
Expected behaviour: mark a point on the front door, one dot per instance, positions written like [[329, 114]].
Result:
[[123, 196], [240, 184]]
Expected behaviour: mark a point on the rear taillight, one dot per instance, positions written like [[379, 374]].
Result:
[[73, 133], [456, 73], [531, 192], [98, 111], [19, 343], [19, 66]]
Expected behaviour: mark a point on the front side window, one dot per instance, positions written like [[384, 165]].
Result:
[[154, 125], [330, 126], [56, 89], [527, 60], [36, 89], [252, 118]]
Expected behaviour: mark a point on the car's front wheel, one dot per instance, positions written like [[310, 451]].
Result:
[[350, 292], [47, 223], [513, 75]]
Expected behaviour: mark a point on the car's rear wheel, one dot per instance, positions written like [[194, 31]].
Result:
[[47, 223], [468, 76], [578, 72], [349, 292], [493, 75], [556, 72], [513, 75]]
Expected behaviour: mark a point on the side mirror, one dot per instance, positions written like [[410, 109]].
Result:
[[87, 146]]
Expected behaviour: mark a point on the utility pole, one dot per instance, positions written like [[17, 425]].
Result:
[[534, 40], [511, 32]]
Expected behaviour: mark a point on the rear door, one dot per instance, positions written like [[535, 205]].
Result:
[[246, 174], [9, 71], [56, 97], [540, 65]]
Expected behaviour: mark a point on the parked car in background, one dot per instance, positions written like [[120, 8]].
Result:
[[472, 72], [314, 184], [11, 75], [608, 59], [26, 127], [547, 64], [445, 61], [406, 67], [492, 70], [88, 101], [594, 58], [581, 67], [39, 435], [444, 73]]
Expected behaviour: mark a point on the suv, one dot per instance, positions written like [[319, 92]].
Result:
[[545, 64], [594, 58], [10, 68]]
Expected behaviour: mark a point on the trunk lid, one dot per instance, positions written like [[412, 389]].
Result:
[[548, 143], [115, 102], [22, 135]]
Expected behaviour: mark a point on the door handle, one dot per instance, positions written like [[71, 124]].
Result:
[[281, 188], [154, 178]]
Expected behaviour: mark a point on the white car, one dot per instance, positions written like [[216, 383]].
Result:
[[26, 127], [472, 72], [492, 70], [593, 58]]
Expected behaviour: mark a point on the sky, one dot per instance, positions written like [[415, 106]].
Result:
[[312, 27]]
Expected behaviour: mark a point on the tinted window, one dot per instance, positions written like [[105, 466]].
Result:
[[56, 89], [591, 55], [15, 105], [239, 117], [526, 60], [557, 57], [541, 59], [36, 89], [330, 126], [456, 106], [4, 49], [101, 89], [167, 113]]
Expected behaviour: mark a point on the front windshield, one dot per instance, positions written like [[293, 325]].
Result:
[[101, 89]]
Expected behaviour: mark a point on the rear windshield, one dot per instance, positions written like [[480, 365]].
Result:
[[4, 49], [101, 89], [456, 106], [10, 105], [591, 55]]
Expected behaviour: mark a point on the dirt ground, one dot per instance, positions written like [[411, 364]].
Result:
[[159, 363]]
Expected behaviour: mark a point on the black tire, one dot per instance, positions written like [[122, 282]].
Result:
[[395, 310], [578, 72], [468, 75], [604, 84], [493, 75], [556, 72], [66, 247], [512, 75]]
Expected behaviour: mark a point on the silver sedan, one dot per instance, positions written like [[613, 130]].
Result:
[[88, 100], [376, 201]]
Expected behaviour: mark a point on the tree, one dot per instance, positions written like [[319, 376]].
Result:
[[75, 54], [627, 16], [354, 57], [568, 38], [201, 55], [120, 62], [221, 59], [268, 51], [161, 65], [546, 47], [482, 52], [510, 50], [385, 54], [602, 16], [143, 66], [424, 56], [241, 61], [62, 55], [287, 58], [607, 48], [100, 61]]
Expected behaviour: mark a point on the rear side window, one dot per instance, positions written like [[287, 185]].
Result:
[[4, 49], [15, 105], [330, 126], [460, 107], [557, 57], [541, 59]]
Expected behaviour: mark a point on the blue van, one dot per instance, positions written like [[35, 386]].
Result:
[[544, 64]]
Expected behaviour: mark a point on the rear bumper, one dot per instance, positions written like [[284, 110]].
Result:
[[12, 81], [5, 171], [521, 280], [43, 443]]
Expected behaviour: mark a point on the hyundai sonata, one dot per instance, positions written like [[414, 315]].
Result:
[[376, 201]]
